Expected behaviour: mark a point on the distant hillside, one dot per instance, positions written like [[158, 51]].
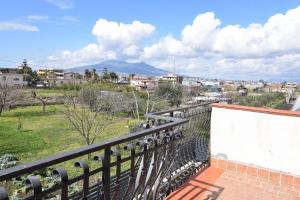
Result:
[[123, 68]]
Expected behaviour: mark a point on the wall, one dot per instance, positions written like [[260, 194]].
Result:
[[266, 138], [13, 80]]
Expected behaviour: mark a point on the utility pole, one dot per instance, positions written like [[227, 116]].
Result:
[[174, 72]]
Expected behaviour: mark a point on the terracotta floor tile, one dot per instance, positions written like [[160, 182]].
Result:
[[215, 184]]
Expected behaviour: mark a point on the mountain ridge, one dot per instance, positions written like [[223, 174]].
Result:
[[122, 67]]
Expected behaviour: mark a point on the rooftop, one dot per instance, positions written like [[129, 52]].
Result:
[[242, 184]]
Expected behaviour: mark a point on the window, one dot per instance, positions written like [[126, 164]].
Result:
[[4, 78], [16, 79]]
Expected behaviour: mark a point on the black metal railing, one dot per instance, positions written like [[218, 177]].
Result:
[[148, 164]]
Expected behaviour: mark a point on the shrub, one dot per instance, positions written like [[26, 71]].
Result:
[[7, 161]]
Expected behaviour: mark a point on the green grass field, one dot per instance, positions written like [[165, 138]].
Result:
[[45, 92], [45, 134]]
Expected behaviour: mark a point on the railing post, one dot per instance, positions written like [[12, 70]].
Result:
[[63, 175], [106, 173], [83, 164], [34, 183]]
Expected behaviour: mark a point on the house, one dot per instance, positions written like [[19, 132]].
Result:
[[123, 80], [9, 70], [141, 83], [51, 73], [67, 78], [242, 90], [273, 87], [56, 77], [170, 78], [14, 79], [60, 81]]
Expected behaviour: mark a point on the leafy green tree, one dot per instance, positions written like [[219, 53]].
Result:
[[105, 74], [113, 76], [173, 93], [87, 74], [24, 68]]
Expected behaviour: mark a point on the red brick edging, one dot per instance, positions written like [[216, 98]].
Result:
[[257, 109]]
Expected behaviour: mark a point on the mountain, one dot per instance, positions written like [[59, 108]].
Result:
[[122, 67]]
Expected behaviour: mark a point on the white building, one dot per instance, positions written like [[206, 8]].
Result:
[[14, 80], [144, 83]]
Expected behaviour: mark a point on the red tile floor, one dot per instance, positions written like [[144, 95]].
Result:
[[219, 184]]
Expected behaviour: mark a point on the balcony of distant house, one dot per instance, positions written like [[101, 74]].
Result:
[[206, 151]]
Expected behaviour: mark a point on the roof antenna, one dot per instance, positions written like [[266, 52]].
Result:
[[174, 73]]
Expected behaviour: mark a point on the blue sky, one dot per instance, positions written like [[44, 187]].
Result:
[[53, 32]]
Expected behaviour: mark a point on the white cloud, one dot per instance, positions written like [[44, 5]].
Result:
[[87, 55], [112, 34], [277, 36], [283, 66], [16, 26], [62, 4], [166, 47], [201, 34], [131, 51], [115, 40], [37, 17], [205, 48]]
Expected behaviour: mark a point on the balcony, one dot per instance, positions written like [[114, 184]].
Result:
[[205, 151]]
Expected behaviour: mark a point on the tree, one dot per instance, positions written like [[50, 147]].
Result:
[[131, 76], [195, 90], [9, 96], [43, 100], [105, 74], [95, 76], [87, 74], [113, 76], [90, 112], [136, 107], [24, 68], [173, 93]]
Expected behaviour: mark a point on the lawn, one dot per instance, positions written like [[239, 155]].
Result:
[[44, 92], [45, 134]]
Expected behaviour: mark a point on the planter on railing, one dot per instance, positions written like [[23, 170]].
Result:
[[147, 164]]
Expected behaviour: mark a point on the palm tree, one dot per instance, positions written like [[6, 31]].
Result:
[[87, 73]]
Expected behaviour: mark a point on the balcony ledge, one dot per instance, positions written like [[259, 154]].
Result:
[[257, 109]]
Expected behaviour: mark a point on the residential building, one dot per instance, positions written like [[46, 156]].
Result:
[[67, 78], [170, 78], [60, 81], [14, 80], [8, 70], [141, 82], [50, 73]]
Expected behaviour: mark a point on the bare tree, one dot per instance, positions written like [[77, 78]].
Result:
[[135, 109], [42, 99], [90, 113], [9, 96]]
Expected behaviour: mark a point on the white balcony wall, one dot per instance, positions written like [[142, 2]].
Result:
[[266, 140]]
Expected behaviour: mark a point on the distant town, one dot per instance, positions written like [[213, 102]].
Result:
[[196, 89]]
